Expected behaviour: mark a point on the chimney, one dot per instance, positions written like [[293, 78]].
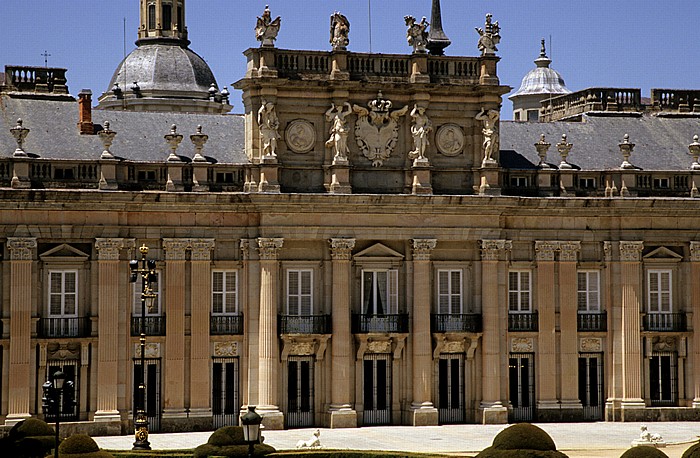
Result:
[[85, 125]]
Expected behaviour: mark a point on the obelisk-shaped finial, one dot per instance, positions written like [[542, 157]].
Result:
[[437, 40]]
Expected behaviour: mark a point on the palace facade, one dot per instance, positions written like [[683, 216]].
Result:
[[368, 244]]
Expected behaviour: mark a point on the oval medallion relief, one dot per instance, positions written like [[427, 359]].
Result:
[[450, 139], [300, 136]]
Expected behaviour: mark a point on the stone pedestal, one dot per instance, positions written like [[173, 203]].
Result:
[[340, 177], [20, 175], [174, 183], [489, 181], [419, 68], [199, 178], [421, 177], [339, 66], [269, 172], [267, 65], [424, 415], [488, 75], [494, 414], [342, 418], [108, 175], [273, 419]]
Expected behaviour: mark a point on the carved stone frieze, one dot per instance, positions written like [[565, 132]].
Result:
[[590, 345], [300, 136], [269, 248], [152, 350], [223, 349], [175, 249], [341, 249], [108, 249], [450, 140], [21, 248], [422, 249], [631, 251], [377, 129], [522, 345], [201, 249], [493, 250]]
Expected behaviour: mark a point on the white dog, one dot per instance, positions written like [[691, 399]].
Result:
[[314, 442]]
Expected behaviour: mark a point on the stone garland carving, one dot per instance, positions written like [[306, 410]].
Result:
[[338, 141], [590, 345], [269, 124], [631, 251], [491, 136], [489, 36], [340, 32], [21, 248], [108, 249], [377, 129], [417, 34], [420, 130], [491, 250], [266, 29], [341, 249], [300, 136], [269, 248], [422, 249], [450, 140], [522, 345], [223, 349]]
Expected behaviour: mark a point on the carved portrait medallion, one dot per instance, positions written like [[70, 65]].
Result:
[[450, 139], [300, 136]]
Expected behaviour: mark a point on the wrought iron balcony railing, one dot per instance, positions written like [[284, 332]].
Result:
[[153, 325], [226, 325], [524, 322], [597, 321], [669, 322], [309, 324], [467, 322], [63, 327], [362, 324]]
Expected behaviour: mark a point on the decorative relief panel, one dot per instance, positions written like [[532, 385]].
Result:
[[377, 129], [152, 350], [607, 251], [304, 346], [522, 345], [568, 251], [223, 349], [590, 345], [659, 343], [300, 136], [63, 351], [379, 346], [450, 140], [302, 349]]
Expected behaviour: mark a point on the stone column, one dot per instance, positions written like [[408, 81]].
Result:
[[200, 303], [424, 412], [342, 413], [268, 338], [568, 327], [173, 303], [547, 403], [20, 372], [695, 299], [610, 296], [631, 277], [493, 407], [108, 332]]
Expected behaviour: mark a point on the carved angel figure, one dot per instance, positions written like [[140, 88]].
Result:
[[266, 29], [417, 35], [490, 131], [490, 36], [377, 129], [419, 130], [340, 31], [338, 140], [269, 124]]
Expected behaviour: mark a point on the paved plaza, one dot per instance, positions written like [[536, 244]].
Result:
[[583, 440]]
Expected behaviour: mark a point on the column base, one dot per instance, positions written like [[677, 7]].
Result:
[[696, 403], [632, 410], [106, 416], [273, 419], [494, 414], [343, 417], [174, 414], [200, 412], [424, 414], [13, 419]]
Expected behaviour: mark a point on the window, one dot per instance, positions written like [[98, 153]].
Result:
[[533, 115], [167, 16], [659, 286], [63, 293], [151, 16], [588, 291], [299, 292], [661, 183], [519, 291], [586, 183], [155, 310], [449, 292], [663, 379], [518, 182], [224, 294], [380, 292]]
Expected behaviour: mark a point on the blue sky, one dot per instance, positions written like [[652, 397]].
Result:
[[622, 43]]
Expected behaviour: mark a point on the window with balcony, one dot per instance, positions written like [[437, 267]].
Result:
[[153, 320], [520, 314], [299, 317], [660, 315], [590, 315], [62, 318], [225, 316], [450, 316], [380, 303]]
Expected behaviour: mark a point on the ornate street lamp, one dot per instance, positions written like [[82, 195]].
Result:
[[146, 269], [54, 398], [251, 429]]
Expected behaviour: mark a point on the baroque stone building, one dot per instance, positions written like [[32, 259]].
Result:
[[367, 244]]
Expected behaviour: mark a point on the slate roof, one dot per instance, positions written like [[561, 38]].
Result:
[[54, 133], [661, 142]]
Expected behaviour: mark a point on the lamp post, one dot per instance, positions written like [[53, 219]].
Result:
[[51, 402], [251, 429], [146, 269]]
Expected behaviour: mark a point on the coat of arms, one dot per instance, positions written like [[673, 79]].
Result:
[[377, 129]]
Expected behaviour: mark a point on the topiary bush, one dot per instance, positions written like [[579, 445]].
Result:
[[644, 451], [522, 440], [692, 452], [228, 441], [30, 438], [81, 446]]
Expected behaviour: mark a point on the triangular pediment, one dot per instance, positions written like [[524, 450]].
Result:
[[64, 252], [663, 253], [378, 251]]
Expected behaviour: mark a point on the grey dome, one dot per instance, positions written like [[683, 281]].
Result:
[[542, 79]]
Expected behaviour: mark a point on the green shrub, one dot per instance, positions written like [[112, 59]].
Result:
[[522, 440], [644, 451], [29, 438], [78, 443], [228, 435], [31, 427], [692, 452], [231, 451]]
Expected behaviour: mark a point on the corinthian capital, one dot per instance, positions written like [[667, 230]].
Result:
[[695, 251], [544, 251], [568, 251], [493, 250], [108, 249], [341, 249], [201, 249], [422, 249], [269, 248], [631, 251], [175, 249], [21, 248]]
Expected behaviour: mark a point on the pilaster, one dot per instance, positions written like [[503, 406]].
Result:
[[695, 299], [568, 319], [423, 410], [22, 254], [342, 413], [268, 405], [547, 343], [493, 404]]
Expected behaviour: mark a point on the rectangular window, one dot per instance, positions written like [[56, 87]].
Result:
[[661, 183], [151, 17], [519, 291], [300, 292], [449, 292], [588, 291], [663, 379], [659, 287], [224, 292], [63, 293], [136, 295], [167, 17], [587, 183], [380, 292], [518, 182]]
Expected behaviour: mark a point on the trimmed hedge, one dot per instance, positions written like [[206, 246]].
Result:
[[644, 451], [81, 446], [692, 452], [30, 438], [522, 440], [150, 453], [326, 453], [228, 441]]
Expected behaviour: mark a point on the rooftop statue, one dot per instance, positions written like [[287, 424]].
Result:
[[490, 36], [340, 30], [417, 34], [377, 129], [266, 29]]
